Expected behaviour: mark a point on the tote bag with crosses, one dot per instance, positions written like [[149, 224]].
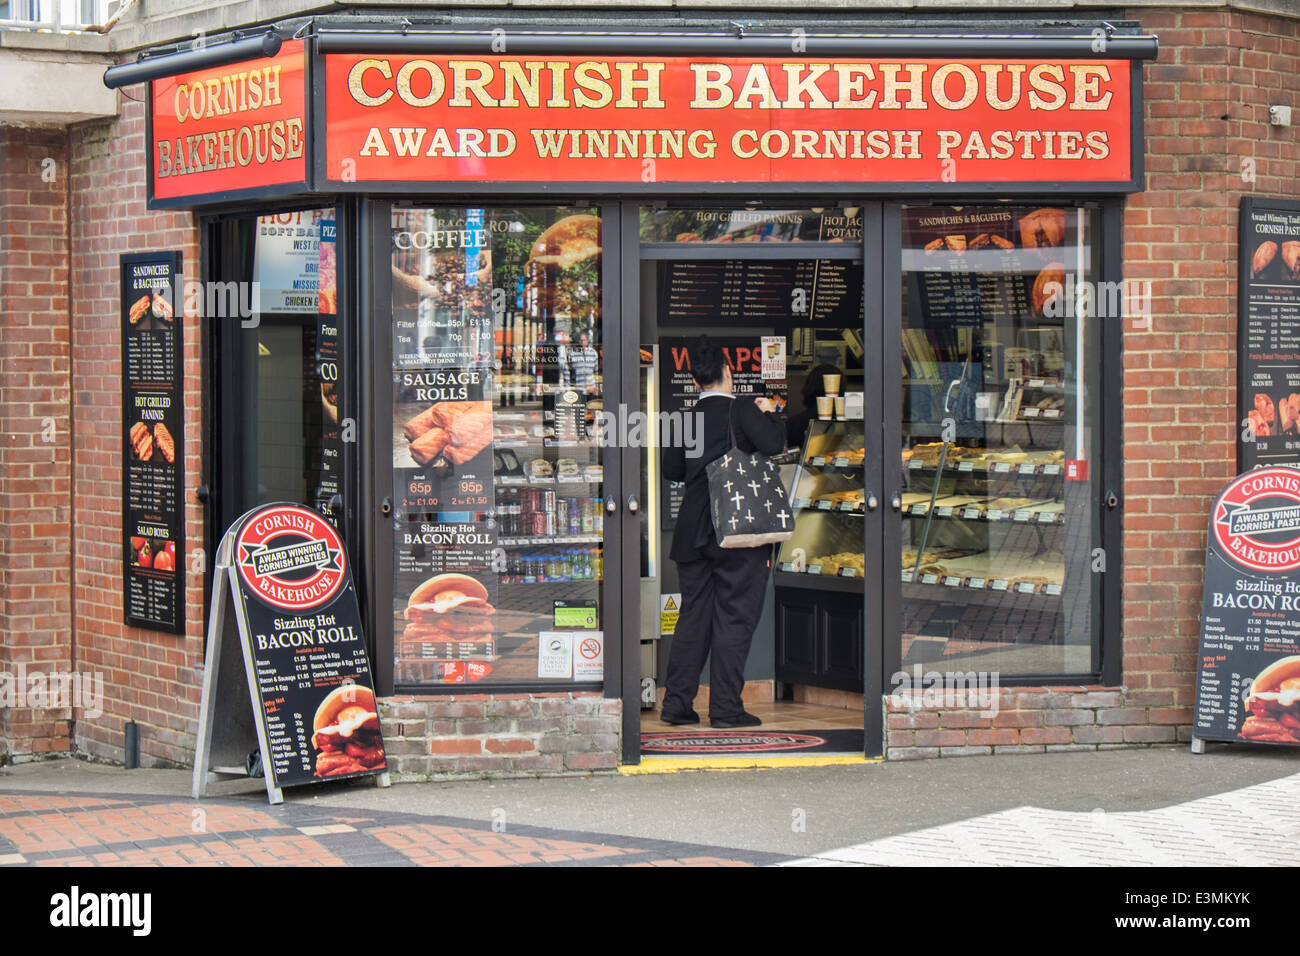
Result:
[[749, 504]]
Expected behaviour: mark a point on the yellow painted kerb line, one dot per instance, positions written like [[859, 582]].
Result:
[[676, 764]]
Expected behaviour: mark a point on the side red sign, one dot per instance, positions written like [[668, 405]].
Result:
[[233, 127]]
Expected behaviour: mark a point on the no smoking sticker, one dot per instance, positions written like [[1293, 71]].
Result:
[[589, 661]]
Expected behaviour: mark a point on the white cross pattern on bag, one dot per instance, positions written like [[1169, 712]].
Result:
[[767, 477], [783, 514], [749, 516], [756, 486], [768, 505], [733, 522], [739, 499], [728, 486], [740, 468]]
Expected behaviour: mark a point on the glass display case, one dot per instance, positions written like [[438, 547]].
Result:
[[827, 499]]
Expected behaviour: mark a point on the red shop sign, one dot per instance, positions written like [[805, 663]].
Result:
[[235, 127], [397, 118]]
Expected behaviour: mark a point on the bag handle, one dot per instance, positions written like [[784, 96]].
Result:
[[731, 423]]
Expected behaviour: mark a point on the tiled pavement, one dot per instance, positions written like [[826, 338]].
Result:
[[40, 829], [1252, 826]]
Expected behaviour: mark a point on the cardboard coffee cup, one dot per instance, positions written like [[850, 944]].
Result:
[[832, 383], [825, 406], [839, 406]]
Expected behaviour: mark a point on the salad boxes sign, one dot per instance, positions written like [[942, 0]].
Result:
[[1248, 675], [153, 446], [284, 572]]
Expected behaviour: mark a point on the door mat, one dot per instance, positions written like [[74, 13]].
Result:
[[686, 743]]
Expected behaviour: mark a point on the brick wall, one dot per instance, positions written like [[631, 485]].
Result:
[[36, 505], [1026, 720], [150, 677], [501, 734], [1207, 99]]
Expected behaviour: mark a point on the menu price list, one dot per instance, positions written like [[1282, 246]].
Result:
[[151, 598], [299, 659], [151, 490], [153, 420], [819, 291], [1269, 333]]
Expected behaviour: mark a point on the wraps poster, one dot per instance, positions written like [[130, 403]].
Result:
[[745, 355]]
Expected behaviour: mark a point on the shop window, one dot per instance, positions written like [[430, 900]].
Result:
[[497, 473], [1001, 404]]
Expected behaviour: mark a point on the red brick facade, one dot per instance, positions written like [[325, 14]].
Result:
[[36, 490], [1208, 143], [72, 201]]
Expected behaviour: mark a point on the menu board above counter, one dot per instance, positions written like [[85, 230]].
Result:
[[779, 293], [153, 449], [1268, 333]]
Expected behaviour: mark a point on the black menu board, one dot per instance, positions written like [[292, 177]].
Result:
[[153, 449], [301, 631], [969, 270], [1268, 333], [778, 293], [1248, 673]]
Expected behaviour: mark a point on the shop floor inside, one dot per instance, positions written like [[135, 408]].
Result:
[[789, 729]]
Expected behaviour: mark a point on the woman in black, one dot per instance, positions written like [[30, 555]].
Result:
[[722, 588]]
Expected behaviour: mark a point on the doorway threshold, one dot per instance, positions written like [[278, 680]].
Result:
[[666, 764]]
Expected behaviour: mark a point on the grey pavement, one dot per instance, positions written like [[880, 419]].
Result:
[[1139, 806]]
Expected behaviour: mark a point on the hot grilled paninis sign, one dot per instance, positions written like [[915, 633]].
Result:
[[392, 118], [232, 127]]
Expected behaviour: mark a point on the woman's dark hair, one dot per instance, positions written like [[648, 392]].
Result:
[[813, 386], [707, 361]]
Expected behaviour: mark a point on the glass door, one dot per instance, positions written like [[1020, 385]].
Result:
[[276, 408], [784, 292], [498, 502]]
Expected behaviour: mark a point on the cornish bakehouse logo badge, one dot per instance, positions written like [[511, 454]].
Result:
[[1256, 520], [290, 557]]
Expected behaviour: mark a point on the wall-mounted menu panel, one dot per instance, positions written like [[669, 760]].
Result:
[[1268, 333], [153, 459]]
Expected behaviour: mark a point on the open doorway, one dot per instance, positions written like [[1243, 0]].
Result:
[[782, 292]]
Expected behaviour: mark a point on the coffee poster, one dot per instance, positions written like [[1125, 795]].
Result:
[[1248, 673], [153, 445], [1268, 333], [301, 628]]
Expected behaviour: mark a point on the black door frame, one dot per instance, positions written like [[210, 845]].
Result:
[[871, 253]]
